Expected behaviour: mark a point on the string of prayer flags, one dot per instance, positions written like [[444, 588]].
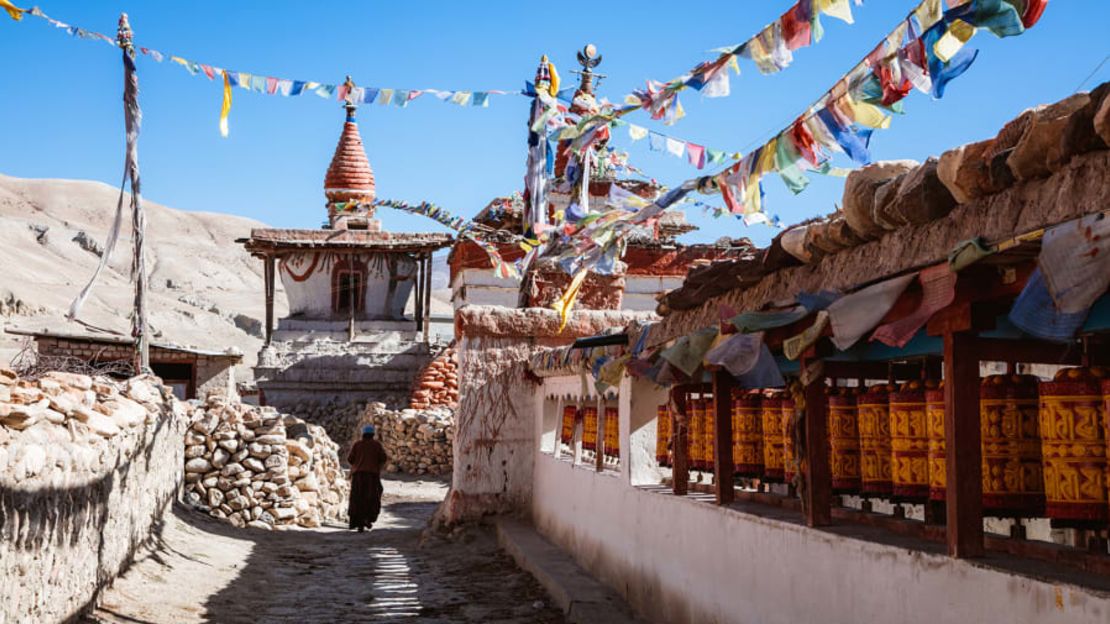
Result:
[[697, 155], [270, 85], [925, 51]]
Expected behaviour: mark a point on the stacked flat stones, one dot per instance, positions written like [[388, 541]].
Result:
[[255, 467], [417, 441], [64, 424], [438, 384]]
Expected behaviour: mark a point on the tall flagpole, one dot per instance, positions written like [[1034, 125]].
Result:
[[132, 114]]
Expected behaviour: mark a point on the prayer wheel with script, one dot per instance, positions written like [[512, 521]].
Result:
[[663, 435], [570, 416], [789, 456], [708, 433], [844, 441], [772, 437], [934, 424], [1073, 444], [909, 444], [589, 428], [612, 435], [874, 441], [747, 434], [696, 435], [1013, 482]]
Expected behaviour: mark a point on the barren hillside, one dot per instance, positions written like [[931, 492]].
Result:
[[205, 290]]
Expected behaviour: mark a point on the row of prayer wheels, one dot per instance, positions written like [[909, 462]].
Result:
[[572, 414], [1044, 444]]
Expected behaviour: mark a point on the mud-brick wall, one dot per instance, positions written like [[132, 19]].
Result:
[[88, 468]]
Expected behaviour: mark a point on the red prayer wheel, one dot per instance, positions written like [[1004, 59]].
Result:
[[1073, 445], [1013, 481], [874, 441], [663, 435], [934, 424], [589, 428], [844, 441], [570, 415], [909, 444], [612, 432], [789, 457], [747, 434], [771, 411]]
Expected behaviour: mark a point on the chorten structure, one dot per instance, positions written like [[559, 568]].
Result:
[[359, 297]]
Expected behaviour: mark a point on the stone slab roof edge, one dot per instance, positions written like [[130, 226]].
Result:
[[119, 340], [473, 320], [1079, 188]]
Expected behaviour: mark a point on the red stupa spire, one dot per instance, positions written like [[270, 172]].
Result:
[[349, 176]]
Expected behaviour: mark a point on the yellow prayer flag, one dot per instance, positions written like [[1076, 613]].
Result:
[[865, 114], [767, 157], [734, 64], [959, 33], [553, 87], [566, 302], [226, 107], [15, 12], [928, 13], [840, 9]]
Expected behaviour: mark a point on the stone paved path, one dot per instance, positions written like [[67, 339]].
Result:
[[205, 571]]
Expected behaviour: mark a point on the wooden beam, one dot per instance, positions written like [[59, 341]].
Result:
[[964, 494], [1028, 351], [427, 295], [418, 296], [599, 444], [817, 496], [680, 466], [872, 370], [723, 383], [268, 266]]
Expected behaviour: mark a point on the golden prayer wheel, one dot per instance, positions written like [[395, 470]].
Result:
[[1013, 481], [772, 437], [696, 436], [789, 457], [909, 444], [1073, 444], [589, 428], [663, 435], [612, 432], [747, 434], [570, 415], [844, 441], [874, 441], [708, 435], [934, 424]]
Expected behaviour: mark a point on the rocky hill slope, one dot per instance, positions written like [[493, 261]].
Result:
[[206, 291]]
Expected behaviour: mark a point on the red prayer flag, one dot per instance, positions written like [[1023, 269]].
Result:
[[795, 28]]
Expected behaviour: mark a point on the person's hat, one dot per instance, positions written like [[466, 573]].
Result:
[[368, 429]]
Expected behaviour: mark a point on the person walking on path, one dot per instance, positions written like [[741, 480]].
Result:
[[366, 458]]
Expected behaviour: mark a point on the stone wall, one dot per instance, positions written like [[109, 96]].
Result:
[[417, 441], [255, 467], [88, 467]]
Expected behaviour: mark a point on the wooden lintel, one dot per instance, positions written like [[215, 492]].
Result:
[[723, 383], [872, 370], [1027, 351]]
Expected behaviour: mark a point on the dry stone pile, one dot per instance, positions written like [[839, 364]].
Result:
[[255, 467], [438, 383], [417, 441]]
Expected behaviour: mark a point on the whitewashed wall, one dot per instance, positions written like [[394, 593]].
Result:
[[312, 297]]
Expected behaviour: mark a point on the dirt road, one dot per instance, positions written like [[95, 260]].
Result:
[[205, 571]]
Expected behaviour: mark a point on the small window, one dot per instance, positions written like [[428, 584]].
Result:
[[348, 288]]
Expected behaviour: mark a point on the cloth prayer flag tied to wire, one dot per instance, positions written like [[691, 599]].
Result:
[[270, 85]]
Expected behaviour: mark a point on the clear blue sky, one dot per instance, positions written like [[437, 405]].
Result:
[[62, 116]]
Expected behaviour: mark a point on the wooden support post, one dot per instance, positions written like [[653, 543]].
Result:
[[268, 266], [817, 501], [680, 466], [418, 290], [723, 383], [427, 295], [576, 436], [964, 494], [557, 452]]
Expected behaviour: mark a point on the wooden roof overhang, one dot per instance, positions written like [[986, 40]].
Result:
[[269, 242]]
